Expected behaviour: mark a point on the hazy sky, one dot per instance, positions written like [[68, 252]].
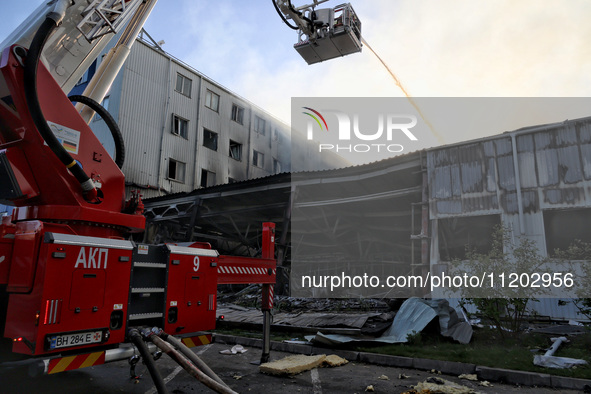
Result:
[[485, 48]]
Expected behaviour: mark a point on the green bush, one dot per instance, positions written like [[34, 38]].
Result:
[[505, 308]]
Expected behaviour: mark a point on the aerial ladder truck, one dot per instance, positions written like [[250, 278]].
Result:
[[75, 289]]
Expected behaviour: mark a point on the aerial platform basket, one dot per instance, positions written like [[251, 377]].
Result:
[[338, 34]]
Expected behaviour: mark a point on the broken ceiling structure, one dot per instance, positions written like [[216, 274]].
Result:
[[409, 214]]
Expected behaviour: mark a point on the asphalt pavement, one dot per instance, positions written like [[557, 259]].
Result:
[[239, 372]]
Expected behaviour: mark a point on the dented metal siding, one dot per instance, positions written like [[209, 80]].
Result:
[[479, 178], [462, 180], [475, 178]]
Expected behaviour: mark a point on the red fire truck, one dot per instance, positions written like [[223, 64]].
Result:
[[74, 288]]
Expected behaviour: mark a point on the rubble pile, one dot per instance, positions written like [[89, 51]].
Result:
[[251, 297]]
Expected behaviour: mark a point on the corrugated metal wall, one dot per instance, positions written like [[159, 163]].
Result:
[[143, 114], [480, 178], [148, 104]]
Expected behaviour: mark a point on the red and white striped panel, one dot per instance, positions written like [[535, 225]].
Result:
[[234, 270], [270, 297]]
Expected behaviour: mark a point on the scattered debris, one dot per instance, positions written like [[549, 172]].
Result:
[[237, 377], [435, 371], [414, 315], [292, 365], [384, 377], [237, 307], [236, 349], [486, 383], [469, 376], [561, 329], [376, 325], [251, 297], [403, 376], [442, 386], [296, 341], [435, 380], [548, 360], [370, 388], [338, 322]]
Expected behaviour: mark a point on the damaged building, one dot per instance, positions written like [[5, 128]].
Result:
[[410, 214]]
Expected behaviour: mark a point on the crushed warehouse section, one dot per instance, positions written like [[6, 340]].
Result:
[[422, 207]]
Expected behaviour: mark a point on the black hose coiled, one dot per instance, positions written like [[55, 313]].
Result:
[[32, 98], [111, 124]]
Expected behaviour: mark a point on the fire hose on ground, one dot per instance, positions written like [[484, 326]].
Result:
[[188, 360], [193, 357], [136, 338], [190, 367]]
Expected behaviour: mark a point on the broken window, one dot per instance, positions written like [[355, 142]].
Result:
[[258, 159], [176, 170], [259, 125], [276, 166], [276, 136], [235, 150], [237, 114], [565, 228], [210, 139], [207, 178], [459, 234], [180, 126]]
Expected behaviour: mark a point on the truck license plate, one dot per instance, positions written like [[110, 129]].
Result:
[[78, 339]]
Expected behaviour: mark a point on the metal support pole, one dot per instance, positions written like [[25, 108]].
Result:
[[517, 184], [268, 291], [267, 306], [425, 224], [266, 336], [425, 263]]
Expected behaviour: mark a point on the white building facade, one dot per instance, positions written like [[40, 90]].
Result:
[[183, 131]]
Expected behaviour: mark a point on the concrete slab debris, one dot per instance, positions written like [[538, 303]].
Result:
[[469, 376]]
